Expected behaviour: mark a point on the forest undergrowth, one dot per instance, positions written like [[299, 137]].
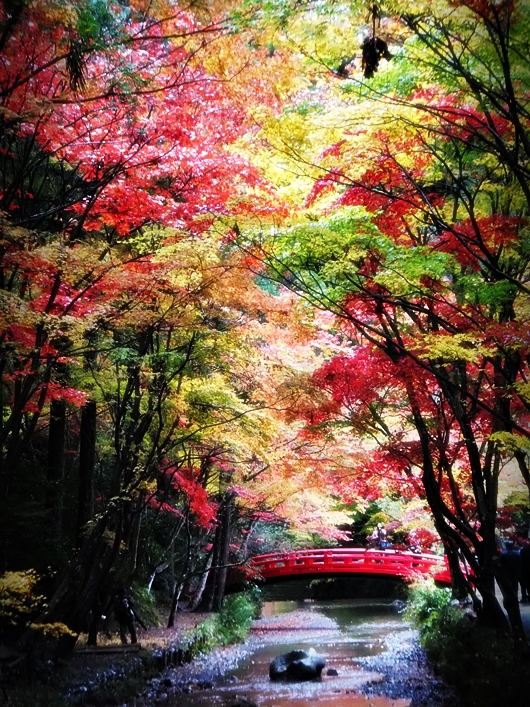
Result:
[[92, 678], [476, 660]]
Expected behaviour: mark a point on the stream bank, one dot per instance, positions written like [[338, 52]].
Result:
[[406, 670], [399, 669], [400, 672]]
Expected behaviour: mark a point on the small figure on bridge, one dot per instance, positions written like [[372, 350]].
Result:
[[378, 538], [381, 537]]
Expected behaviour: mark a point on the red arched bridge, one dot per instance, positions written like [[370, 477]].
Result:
[[386, 563]]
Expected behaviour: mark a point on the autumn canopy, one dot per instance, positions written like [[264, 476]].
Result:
[[264, 282]]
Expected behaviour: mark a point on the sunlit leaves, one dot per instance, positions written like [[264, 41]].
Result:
[[463, 347]]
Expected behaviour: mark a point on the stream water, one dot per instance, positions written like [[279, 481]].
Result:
[[346, 633]]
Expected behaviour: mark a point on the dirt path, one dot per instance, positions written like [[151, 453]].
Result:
[[103, 675], [152, 638]]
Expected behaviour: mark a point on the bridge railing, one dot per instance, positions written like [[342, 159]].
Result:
[[354, 561]]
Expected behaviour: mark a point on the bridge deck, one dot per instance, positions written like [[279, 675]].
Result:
[[407, 565]]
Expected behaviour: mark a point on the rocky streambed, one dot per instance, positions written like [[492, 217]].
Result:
[[406, 672], [374, 662], [372, 659]]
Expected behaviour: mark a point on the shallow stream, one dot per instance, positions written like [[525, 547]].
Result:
[[348, 634]]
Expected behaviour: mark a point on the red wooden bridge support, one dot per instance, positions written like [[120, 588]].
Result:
[[387, 563]]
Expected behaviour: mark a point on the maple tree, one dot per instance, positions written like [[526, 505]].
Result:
[[117, 334], [253, 273], [416, 239]]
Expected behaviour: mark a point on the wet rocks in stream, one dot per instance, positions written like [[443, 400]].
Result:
[[297, 666]]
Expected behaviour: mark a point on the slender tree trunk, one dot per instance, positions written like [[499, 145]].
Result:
[[55, 469], [134, 537], [208, 593], [199, 591], [224, 552], [215, 586], [491, 612], [172, 563], [87, 460], [177, 591], [157, 570], [460, 588]]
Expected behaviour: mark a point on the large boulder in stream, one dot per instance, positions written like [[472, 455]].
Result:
[[296, 666]]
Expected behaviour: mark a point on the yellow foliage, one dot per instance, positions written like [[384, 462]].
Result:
[[55, 12], [55, 630], [510, 442], [523, 390], [17, 598], [457, 347]]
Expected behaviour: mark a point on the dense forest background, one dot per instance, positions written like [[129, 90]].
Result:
[[264, 284]]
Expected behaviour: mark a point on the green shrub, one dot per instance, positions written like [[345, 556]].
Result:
[[230, 625], [477, 660], [235, 618], [146, 605], [433, 612]]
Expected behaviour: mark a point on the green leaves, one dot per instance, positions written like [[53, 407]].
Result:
[[456, 347], [511, 443], [96, 24], [344, 251], [124, 356], [476, 290]]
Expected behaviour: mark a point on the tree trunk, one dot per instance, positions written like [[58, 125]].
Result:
[[83, 580], [224, 552], [55, 469], [177, 591], [211, 579], [87, 460], [490, 612], [459, 584], [213, 595], [199, 591], [134, 535]]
